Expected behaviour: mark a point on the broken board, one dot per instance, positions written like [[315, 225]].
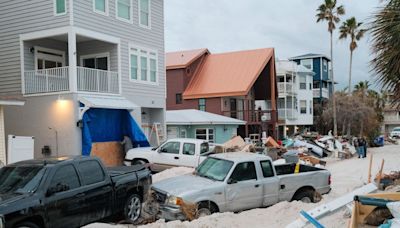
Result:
[[110, 153], [336, 204]]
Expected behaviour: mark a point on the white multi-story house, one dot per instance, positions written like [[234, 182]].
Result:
[[69, 59], [295, 97]]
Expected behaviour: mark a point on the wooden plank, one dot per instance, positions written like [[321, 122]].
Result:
[[334, 205]]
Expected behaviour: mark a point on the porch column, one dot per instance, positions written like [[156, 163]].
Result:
[[2, 137], [73, 85]]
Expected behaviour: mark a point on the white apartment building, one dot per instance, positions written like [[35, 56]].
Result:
[[295, 100]]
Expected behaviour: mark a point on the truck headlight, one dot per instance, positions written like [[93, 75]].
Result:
[[173, 200], [2, 222]]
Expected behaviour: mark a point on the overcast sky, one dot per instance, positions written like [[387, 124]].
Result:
[[289, 26]]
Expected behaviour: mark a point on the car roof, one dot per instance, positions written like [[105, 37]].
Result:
[[48, 161], [241, 156], [188, 140]]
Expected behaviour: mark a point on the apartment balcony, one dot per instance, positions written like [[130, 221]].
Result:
[[286, 88], [391, 119], [287, 114], [321, 93], [61, 79], [252, 117]]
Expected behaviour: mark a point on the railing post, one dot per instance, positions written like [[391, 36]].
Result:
[[47, 80], [72, 61]]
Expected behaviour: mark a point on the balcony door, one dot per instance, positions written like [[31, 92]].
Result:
[[48, 58], [96, 61]]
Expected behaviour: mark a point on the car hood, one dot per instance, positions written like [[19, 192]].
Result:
[[12, 201], [182, 185]]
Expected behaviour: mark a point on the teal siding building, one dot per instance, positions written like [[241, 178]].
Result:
[[197, 124]]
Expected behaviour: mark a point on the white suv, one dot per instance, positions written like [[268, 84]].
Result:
[[395, 133]]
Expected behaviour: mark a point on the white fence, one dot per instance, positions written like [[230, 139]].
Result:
[[286, 87], [47, 81], [93, 80], [58, 80], [288, 113]]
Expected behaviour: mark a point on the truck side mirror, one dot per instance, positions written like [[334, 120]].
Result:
[[60, 187], [232, 181]]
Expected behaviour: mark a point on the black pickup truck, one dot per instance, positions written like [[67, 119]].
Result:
[[69, 192]]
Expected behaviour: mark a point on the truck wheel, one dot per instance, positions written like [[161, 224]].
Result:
[[305, 196], [139, 162], [205, 209], [27, 225], [133, 208]]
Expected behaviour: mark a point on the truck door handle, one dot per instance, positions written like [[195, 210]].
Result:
[[176, 158], [282, 186], [257, 185]]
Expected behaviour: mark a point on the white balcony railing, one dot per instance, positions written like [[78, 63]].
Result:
[[58, 80], [286, 87], [317, 93], [288, 113], [47, 81], [100, 81]]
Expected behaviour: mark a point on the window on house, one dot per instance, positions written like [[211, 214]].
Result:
[[325, 65], [205, 134], [303, 107], [315, 85], [202, 104], [100, 6], [303, 82], [144, 13], [178, 98], [134, 67], [310, 86], [124, 9], [311, 107], [307, 63], [143, 65], [60, 7]]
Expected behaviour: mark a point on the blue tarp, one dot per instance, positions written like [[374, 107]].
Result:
[[107, 125]]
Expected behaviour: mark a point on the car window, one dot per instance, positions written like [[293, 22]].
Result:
[[91, 172], [204, 148], [189, 148], [65, 175], [171, 148], [244, 171], [267, 169], [214, 169]]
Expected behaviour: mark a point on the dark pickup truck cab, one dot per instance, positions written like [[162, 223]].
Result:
[[69, 192]]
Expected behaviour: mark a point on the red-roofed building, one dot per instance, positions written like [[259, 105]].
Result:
[[225, 84]]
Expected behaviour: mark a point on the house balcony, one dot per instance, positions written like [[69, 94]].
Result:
[[70, 59], [286, 88], [253, 117], [287, 114], [321, 93], [59, 79]]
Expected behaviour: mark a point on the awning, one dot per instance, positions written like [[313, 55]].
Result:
[[110, 102]]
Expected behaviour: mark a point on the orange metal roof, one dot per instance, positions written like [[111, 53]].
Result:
[[182, 59], [228, 74]]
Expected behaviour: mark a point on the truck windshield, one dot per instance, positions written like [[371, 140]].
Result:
[[215, 169], [23, 179]]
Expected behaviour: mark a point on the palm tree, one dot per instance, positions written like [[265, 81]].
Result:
[[385, 43], [362, 89], [352, 29], [330, 12]]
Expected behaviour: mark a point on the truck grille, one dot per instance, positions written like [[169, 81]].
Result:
[[160, 197]]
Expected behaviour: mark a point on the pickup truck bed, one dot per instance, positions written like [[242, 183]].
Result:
[[290, 168]]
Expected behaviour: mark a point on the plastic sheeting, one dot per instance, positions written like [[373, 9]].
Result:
[[107, 125]]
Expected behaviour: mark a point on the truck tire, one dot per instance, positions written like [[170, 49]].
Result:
[[27, 225], [305, 196], [133, 208], [139, 162], [205, 209]]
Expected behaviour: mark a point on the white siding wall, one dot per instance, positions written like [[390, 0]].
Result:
[[152, 96], [2, 137], [19, 17]]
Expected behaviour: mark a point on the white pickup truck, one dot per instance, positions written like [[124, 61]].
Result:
[[238, 181], [172, 153]]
